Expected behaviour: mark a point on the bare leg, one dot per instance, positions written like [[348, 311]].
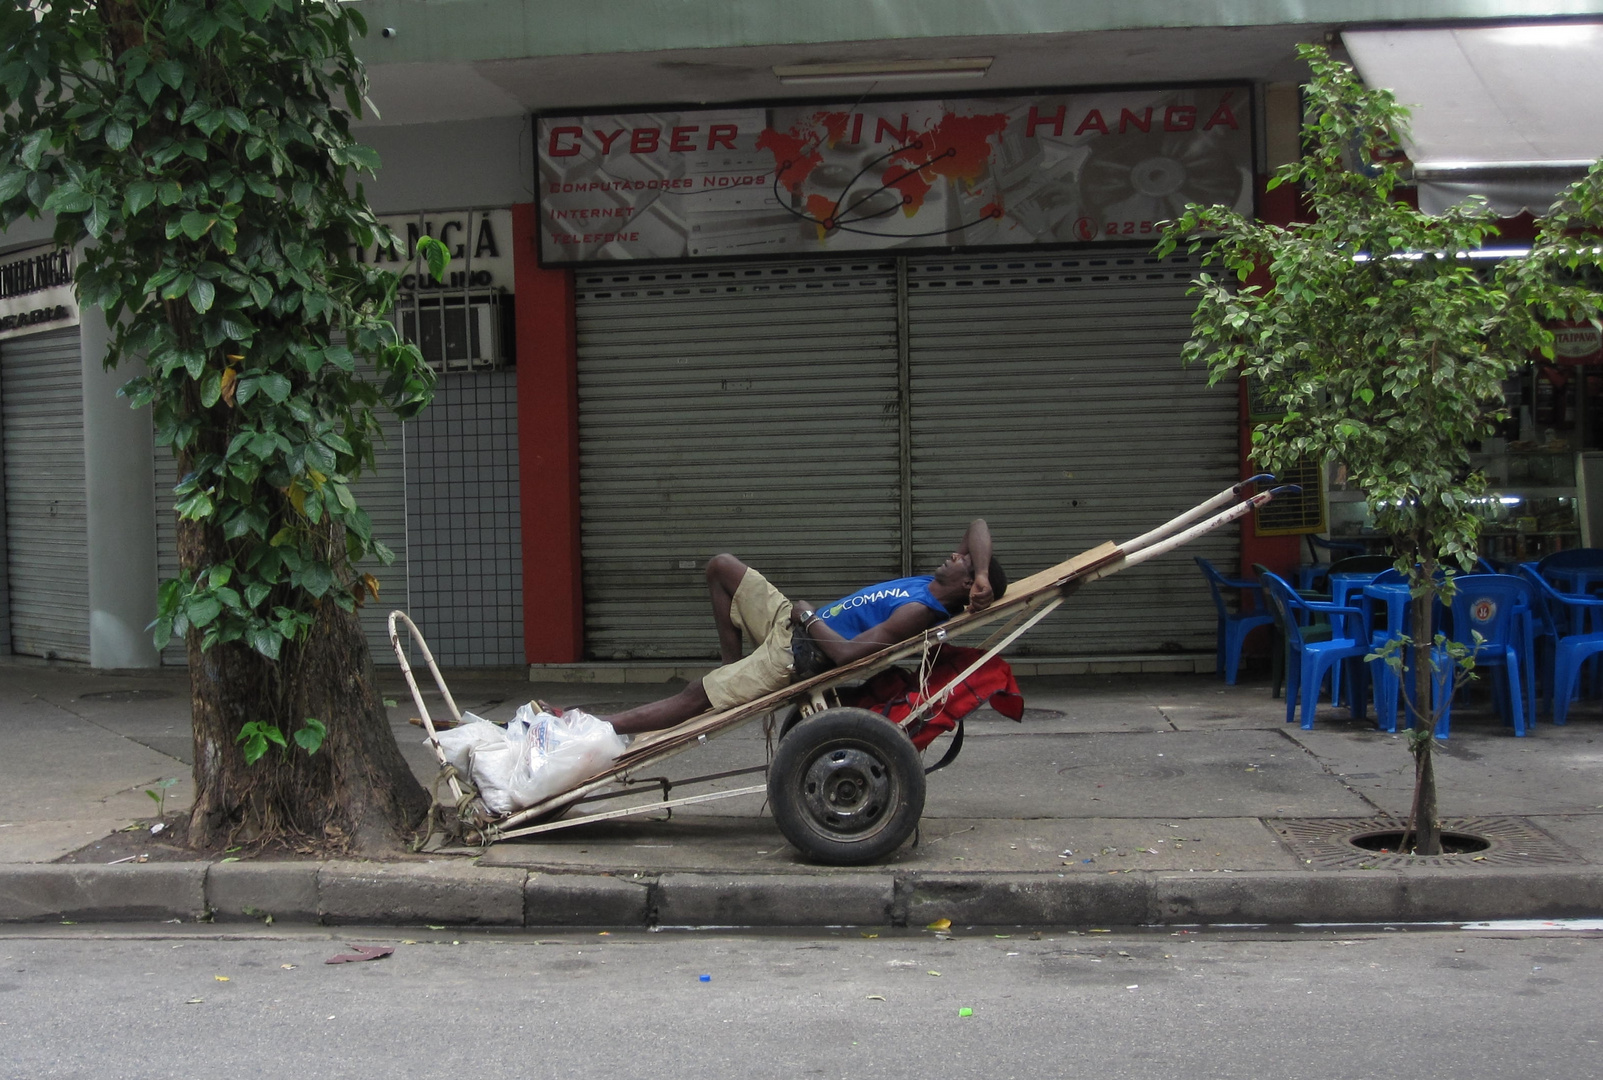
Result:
[[689, 702], [724, 574]]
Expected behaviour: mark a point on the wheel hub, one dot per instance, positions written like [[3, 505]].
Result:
[[846, 789]]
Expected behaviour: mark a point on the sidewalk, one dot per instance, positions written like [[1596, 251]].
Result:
[[1120, 800]]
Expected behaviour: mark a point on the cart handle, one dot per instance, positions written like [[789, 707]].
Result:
[[1201, 510], [417, 695]]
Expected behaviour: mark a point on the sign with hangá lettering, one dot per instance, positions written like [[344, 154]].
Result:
[[904, 175], [480, 242], [36, 291]]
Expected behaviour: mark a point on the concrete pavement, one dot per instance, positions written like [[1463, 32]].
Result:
[[1122, 799]]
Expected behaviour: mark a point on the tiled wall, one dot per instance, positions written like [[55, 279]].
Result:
[[462, 521]]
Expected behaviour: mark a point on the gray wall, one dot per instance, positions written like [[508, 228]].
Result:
[[25, 233], [451, 165]]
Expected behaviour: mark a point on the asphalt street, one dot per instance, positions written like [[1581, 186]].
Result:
[[1367, 1003]]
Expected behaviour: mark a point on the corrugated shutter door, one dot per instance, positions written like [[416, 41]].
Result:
[[749, 409], [47, 524], [1048, 397], [382, 493]]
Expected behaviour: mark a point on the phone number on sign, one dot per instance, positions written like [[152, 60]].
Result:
[[1087, 229]]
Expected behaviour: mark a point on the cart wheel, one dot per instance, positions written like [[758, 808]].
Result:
[[846, 787]]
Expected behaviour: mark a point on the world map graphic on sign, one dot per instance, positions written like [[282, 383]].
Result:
[[974, 173], [957, 149]]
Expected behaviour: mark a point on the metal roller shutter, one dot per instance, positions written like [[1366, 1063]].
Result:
[[382, 493], [750, 409], [47, 525], [1048, 397]]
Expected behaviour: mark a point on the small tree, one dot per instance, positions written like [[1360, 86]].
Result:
[[1386, 347], [193, 146]]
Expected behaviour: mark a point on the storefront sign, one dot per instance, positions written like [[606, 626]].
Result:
[[1066, 168], [36, 291], [480, 243], [1577, 344]]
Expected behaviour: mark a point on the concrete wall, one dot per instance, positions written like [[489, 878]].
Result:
[[26, 233], [458, 30], [445, 166]]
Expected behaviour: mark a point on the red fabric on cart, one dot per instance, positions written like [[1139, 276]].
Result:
[[893, 693]]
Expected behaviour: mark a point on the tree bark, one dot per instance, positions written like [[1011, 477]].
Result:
[[1422, 824], [355, 794]]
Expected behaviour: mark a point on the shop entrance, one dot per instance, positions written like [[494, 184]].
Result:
[[838, 423]]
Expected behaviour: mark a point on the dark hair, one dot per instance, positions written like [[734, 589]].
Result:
[[998, 579]]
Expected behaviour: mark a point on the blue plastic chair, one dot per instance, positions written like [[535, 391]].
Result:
[[1557, 613], [1498, 607], [1308, 661], [1234, 626], [1579, 568], [1311, 576]]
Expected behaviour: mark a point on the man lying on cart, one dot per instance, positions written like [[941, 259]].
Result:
[[788, 635]]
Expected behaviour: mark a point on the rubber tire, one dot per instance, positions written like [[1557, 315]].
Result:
[[875, 773]]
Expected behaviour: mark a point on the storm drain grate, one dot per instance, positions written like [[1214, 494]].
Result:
[[1326, 843]]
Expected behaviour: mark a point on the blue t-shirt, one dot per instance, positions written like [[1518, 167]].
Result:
[[873, 604]]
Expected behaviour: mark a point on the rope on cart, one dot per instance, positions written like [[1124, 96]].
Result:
[[435, 822]]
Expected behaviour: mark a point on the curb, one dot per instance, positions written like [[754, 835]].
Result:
[[464, 894]]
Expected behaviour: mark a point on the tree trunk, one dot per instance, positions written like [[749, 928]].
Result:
[[357, 793], [1423, 824]]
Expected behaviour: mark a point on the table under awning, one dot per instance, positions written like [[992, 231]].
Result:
[[1514, 113]]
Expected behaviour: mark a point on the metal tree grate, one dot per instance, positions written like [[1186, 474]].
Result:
[[1326, 843]]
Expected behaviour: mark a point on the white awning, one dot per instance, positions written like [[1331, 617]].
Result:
[[1509, 112]]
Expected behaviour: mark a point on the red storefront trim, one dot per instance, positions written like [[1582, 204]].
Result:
[[548, 452]]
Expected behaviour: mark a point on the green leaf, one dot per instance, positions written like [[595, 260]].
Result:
[[171, 72], [317, 579], [265, 640], [69, 199], [310, 737], [202, 611], [136, 196], [275, 386], [256, 735], [197, 223], [201, 294], [195, 508], [177, 286], [97, 219], [436, 254], [366, 158], [118, 134]]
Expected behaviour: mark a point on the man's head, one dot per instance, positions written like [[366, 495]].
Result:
[[955, 576]]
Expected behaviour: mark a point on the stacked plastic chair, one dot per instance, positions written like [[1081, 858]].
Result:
[[1309, 661], [1498, 608], [1386, 680], [1567, 624]]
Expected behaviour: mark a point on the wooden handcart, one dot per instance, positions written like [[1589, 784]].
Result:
[[845, 785]]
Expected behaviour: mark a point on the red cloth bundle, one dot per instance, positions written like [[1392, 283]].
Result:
[[894, 693]]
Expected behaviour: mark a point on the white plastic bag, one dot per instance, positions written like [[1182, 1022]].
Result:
[[557, 752], [473, 733], [537, 756]]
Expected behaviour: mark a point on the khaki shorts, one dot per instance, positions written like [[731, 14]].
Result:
[[763, 614]]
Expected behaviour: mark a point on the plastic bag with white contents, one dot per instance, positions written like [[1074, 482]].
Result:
[[555, 753], [473, 733], [487, 755]]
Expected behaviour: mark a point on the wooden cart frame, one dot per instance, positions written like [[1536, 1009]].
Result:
[[846, 786]]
